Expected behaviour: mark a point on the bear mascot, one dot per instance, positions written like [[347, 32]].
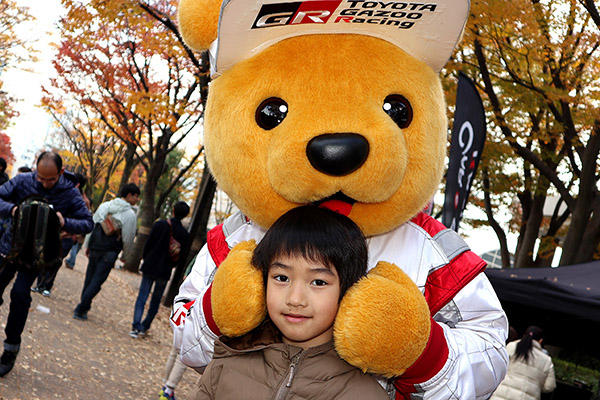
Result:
[[339, 103]]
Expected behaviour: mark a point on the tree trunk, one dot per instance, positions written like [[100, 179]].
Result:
[[591, 237], [545, 253], [583, 205], [579, 220], [130, 163], [202, 207], [526, 204], [146, 214], [525, 256], [504, 253]]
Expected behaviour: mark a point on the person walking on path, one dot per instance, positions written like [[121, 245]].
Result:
[[530, 369], [70, 261], [45, 280], [47, 182], [157, 266], [114, 230], [175, 369]]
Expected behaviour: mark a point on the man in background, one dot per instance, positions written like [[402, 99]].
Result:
[[69, 241], [49, 183], [114, 230]]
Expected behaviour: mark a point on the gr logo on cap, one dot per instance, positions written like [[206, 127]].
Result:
[[428, 31]]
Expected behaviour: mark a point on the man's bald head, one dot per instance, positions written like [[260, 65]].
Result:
[[49, 168]]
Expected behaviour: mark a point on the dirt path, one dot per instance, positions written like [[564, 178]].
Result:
[[62, 358]]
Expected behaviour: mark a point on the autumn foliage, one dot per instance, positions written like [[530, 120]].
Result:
[[10, 16], [127, 90], [5, 149], [537, 66]]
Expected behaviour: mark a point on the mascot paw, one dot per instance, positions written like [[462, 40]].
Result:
[[383, 322], [238, 296]]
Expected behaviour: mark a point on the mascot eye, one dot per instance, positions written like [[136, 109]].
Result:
[[399, 109], [271, 112]]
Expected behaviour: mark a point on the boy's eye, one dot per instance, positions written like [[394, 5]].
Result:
[[281, 278], [319, 282]]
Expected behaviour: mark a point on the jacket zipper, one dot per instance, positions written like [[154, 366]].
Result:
[[285, 385]]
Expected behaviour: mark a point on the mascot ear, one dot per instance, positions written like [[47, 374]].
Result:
[[198, 22]]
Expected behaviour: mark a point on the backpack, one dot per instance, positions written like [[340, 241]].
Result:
[[36, 243], [174, 245]]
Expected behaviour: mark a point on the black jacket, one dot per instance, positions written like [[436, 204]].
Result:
[[157, 263]]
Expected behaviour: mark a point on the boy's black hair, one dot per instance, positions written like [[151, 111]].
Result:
[[181, 210], [129, 188], [319, 235]]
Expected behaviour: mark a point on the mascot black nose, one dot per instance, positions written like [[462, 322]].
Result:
[[337, 154]]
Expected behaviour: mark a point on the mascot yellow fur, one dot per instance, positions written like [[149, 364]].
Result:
[[355, 121]]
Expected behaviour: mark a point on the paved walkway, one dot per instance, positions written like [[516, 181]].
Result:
[[62, 358]]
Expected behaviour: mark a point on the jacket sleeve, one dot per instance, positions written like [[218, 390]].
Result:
[[469, 332], [128, 229], [6, 192], [79, 219], [550, 381], [191, 330]]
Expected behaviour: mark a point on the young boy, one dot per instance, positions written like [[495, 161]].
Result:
[[309, 258]]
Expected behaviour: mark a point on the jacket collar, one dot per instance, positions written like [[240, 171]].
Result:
[[265, 335]]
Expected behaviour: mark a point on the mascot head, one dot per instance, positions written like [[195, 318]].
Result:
[[333, 102]]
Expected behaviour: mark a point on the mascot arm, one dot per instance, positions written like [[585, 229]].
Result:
[[366, 333], [191, 332], [459, 353], [474, 329], [209, 302]]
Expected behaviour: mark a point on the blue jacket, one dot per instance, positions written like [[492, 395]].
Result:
[[64, 196]]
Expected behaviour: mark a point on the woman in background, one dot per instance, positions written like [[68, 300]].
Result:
[[530, 369]]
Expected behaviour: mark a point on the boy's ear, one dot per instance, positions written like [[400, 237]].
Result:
[[198, 22]]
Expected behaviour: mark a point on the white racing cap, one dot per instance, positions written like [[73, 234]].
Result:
[[427, 30]]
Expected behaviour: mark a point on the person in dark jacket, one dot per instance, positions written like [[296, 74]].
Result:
[[103, 248], [50, 183], [45, 280], [3, 175], [157, 265]]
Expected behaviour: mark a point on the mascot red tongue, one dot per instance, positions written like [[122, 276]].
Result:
[[338, 206], [287, 75]]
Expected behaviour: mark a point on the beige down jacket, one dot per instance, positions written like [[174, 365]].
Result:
[[526, 381], [264, 369]]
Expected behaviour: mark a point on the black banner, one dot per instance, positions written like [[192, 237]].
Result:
[[468, 137]]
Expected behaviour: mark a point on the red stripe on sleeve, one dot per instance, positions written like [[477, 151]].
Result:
[[443, 284], [207, 307], [431, 225], [217, 245], [429, 363]]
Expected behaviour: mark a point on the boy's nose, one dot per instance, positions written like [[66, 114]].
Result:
[[296, 297]]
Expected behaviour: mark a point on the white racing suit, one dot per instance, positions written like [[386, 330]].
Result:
[[465, 357]]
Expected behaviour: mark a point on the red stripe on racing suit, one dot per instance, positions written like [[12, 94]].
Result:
[[441, 286]]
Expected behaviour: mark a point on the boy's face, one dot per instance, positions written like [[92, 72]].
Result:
[[302, 300]]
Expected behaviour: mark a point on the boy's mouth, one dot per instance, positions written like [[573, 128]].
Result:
[[339, 203], [295, 318]]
